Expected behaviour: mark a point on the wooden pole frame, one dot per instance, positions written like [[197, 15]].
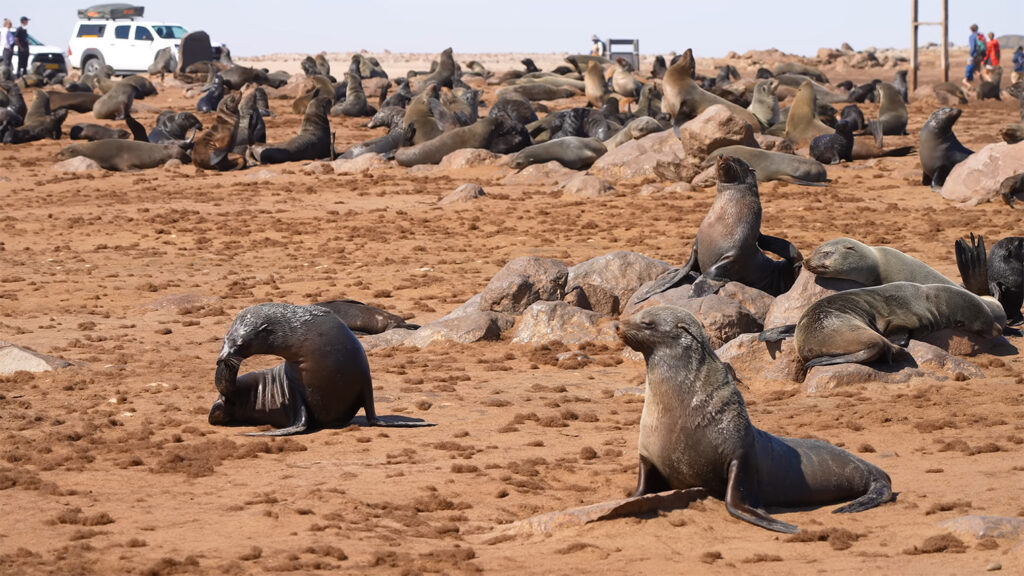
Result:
[[914, 23]]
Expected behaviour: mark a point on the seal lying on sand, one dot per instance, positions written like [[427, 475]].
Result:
[[324, 380], [729, 242], [865, 324], [770, 165], [1000, 273], [363, 318], [695, 432], [121, 155]]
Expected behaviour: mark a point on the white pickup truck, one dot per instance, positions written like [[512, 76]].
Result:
[[110, 34]]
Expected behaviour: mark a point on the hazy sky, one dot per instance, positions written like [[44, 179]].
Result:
[[711, 27]]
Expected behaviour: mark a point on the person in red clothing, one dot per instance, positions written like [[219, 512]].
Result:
[[991, 56]]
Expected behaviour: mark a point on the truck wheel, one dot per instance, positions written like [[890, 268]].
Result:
[[92, 65]]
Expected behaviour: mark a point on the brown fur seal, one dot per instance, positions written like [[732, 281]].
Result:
[[695, 433], [573, 152], [321, 86], [729, 242], [770, 165], [534, 91], [120, 155], [324, 380], [476, 135], [865, 324], [237, 76], [802, 69], [355, 99], [594, 85], [213, 148], [764, 103], [1000, 273], [940, 150], [81, 102], [802, 124], [623, 81], [93, 132], [683, 99], [366, 319], [313, 141], [870, 265], [892, 112], [419, 123], [111, 106]]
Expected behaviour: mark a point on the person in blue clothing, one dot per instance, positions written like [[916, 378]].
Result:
[[1018, 65], [976, 42]]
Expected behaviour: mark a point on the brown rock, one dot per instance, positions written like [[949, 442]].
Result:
[[465, 193], [752, 300], [933, 358], [593, 297], [651, 156], [464, 329], [550, 174], [386, 339], [753, 360], [620, 272], [467, 158], [714, 128], [977, 179], [774, 143], [545, 322], [822, 378], [808, 289], [522, 282], [962, 343], [359, 165], [76, 164], [587, 186]]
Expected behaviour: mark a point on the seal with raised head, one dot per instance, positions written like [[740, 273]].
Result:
[[866, 324], [1000, 273], [892, 112], [834, 148], [770, 165], [111, 106], [313, 142], [851, 259], [695, 433], [214, 149], [684, 99], [595, 86], [364, 318], [764, 103], [476, 135], [940, 149], [323, 381], [729, 242], [802, 123]]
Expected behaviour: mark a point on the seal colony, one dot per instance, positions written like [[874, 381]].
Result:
[[324, 379]]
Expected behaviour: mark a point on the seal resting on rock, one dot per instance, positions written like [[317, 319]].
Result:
[[324, 380], [940, 149], [866, 324], [695, 432], [870, 265], [729, 243]]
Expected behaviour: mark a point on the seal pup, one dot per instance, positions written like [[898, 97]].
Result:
[[323, 381], [111, 106], [313, 141], [770, 165], [695, 433], [729, 242], [851, 259], [802, 123], [121, 155], [1000, 273], [174, 126], [366, 319], [989, 89], [214, 149], [866, 324], [940, 150], [1011, 189], [213, 93], [573, 152], [950, 89], [834, 148], [853, 116]]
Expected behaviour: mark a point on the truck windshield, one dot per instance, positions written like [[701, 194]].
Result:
[[169, 32]]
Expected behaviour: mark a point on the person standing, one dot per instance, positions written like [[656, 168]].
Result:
[[976, 42], [7, 37], [21, 39], [1018, 65], [992, 55]]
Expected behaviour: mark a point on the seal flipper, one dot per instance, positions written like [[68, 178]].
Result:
[[649, 479], [972, 261], [739, 501], [671, 278], [777, 334], [780, 247], [299, 424], [706, 286], [879, 492], [870, 353], [801, 182]]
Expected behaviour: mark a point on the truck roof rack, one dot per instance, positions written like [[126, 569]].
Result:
[[111, 12]]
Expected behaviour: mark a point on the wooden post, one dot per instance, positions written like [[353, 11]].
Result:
[[913, 45], [945, 40]]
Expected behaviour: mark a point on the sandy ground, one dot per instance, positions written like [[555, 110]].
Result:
[[110, 467]]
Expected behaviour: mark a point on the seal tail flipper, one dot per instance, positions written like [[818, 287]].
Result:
[[876, 131], [868, 354], [298, 427], [972, 261], [901, 151], [398, 423], [777, 334], [879, 492], [738, 508], [670, 279]]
